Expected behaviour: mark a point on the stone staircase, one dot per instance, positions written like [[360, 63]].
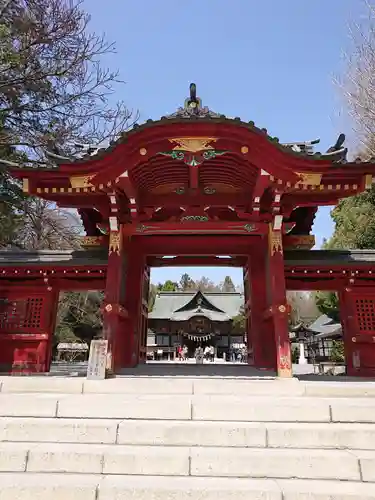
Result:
[[186, 438]]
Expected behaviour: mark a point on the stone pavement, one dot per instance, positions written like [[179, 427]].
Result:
[[188, 367], [179, 438]]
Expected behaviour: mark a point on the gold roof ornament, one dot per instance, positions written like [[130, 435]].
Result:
[[310, 179], [81, 181], [192, 144]]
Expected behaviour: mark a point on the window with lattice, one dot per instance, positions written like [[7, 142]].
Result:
[[21, 315], [365, 308]]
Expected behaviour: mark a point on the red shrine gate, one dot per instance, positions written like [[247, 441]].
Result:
[[196, 185], [31, 280]]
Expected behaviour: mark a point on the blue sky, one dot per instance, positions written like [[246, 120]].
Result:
[[271, 61]]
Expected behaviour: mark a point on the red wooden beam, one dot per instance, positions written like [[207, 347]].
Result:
[[193, 227], [261, 183], [193, 176], [319, 284], [52, 270], [182, 261], [198, 245], [59, 284], [126, 185], [213, 200]]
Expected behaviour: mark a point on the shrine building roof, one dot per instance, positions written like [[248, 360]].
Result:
[[196, 166], [95, 257], [53, 258], [181, 306], [322, 257], [192, 111]]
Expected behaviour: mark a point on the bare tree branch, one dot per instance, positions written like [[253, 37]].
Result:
[[358, 83], [47, 227], [52, 82]]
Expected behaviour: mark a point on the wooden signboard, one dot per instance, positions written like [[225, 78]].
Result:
[[97, 360]]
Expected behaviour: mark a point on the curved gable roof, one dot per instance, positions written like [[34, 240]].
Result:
[[168, 303], [201, 301]]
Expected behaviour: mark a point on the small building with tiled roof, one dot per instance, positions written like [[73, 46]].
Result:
[[194, 318]]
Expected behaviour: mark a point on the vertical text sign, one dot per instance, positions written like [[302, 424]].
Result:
[[97, 360]]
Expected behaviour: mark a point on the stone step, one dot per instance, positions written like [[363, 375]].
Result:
[[187, 385], [189, 433], [92, 487], [187, 407], [187, 461]]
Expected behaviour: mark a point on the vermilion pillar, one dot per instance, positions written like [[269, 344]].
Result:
[[114, 312], [278, 309], [144, 315], [133, 303], [52, 305], [260, 326], [347, 316], [247, 311]]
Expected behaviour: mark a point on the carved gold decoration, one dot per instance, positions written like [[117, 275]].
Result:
[[93, 241], [284, 361], [194, 218], [282, 309], [192, 144], [108, 308], [143, 151], [312, 179], [225, 188], [299, 242], [275, 241], [25, 185], [81, 181], [244, 150], [368, 181], [114, 242], [167, 188]]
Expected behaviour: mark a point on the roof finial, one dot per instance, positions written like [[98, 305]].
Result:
[[338, 152], [193, 107], [193, 92], [193, 103]]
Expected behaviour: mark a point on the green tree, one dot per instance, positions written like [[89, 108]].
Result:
[[228, 285], [204, 284], [354, 219], [12, 197], [328, 303], [337, 352], [187, 283], [52, 85], [79, 315], [152, 292], [239, 322], [55, 95], [168, 286], [356, 82]]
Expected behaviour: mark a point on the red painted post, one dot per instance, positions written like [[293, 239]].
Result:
[[349, 329], [261, 326], [133, 301], [52, 303], [247, 311], [278, 309], [113, 309]]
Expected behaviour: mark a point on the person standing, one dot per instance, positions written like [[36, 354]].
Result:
[[179, 353], [212, 354]]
